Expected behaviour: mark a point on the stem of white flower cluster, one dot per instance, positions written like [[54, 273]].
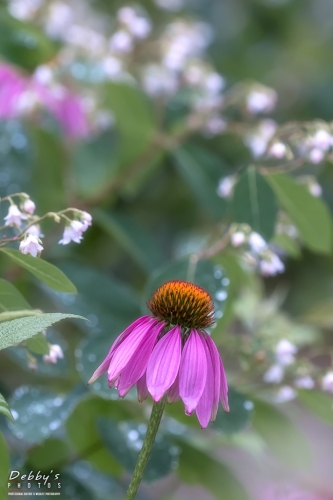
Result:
[[153, 425]]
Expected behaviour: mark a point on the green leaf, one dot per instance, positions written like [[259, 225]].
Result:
[[124, 439], [198, 467], [48, 150], [10, 298], [237, 277], [38, 413], [254, 203], [97, 151], [281, 436], [51, 454], [23, 43], [131, 237], [7, 316], [130, 107], [196, 177], [319, 403], [16, 331], [4, 408], [44, 271], [4, 468], [113, 302], [289, 245], [239, 417], [309, 214], [320, 315], [38, 344], [83, 433]]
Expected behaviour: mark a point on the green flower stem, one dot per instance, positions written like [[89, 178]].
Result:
[[153, 425]]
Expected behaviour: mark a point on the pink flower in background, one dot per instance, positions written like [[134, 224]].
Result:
[[54, 354], [287, 491], [29, 206], [14, 216], [170, 353], [73, 232], [12, 85], [30, 245], [21, 94], [86, 219]]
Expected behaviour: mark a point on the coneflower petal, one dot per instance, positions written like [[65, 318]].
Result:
[[142, 388], [192, 371], [215, 361], [224, 388], [205, 405], [173, 392], [136, 367], [163, 364], [106, 362], [126, 349]]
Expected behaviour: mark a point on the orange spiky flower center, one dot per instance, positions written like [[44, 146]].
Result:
[[184, 304]]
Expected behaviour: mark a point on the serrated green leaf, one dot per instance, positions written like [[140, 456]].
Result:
[[8, 316], [281, 436], [44, 271], [138, 244], [254, 203], [309, 213], [4, 467], [196, 177], [199, 467], [38, 344], [4, 408], [16, 331], [10, 298], [319, 403]]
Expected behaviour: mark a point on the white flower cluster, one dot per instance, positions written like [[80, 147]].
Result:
[[261, 99], [259, 253], [284, 355], [258, 139], [31, 243], [55, 353], [316, 146]]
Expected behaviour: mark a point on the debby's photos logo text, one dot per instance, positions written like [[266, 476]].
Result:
[[34, 483]]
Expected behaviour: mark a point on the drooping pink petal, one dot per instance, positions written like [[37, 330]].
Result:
[[142, 388], [106, 362], [100, 370], [173, 392], [192, 371], [224, 389], [215, 361], [163, 364], [138, 364], [205, 405], [126, 349]]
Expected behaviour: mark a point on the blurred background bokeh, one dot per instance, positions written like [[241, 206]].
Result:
[[137, 113]]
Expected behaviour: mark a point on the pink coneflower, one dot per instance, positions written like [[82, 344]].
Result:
[[169, 352], [20, 95]]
